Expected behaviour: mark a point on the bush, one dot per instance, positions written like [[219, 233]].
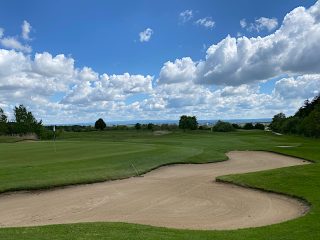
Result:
[[235, 126], [259, 126], [137, 126], [248, 126], [221, 126]]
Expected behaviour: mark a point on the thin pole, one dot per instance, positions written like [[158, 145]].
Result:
[[54, 138]]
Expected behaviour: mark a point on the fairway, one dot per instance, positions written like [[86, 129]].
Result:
[[98, 156]]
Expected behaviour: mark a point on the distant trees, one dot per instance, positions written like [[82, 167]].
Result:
[[248, 126], [24, 123], [306, 121], [188, 122], [221, 126], [3, 123], [100, 124], [150, 126], [137, 126], [259, 126]]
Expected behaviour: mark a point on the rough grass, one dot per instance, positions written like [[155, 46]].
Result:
[[96, 156]]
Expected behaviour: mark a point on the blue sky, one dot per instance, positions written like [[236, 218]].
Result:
[[104, 36]]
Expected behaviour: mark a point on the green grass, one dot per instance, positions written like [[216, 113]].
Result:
[[98, 156]]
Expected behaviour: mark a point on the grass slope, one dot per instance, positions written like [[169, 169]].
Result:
[[97, 156]]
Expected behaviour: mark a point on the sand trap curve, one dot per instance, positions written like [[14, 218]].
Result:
[[179, 196]]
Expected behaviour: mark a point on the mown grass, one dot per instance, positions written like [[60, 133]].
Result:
[[97, 156]]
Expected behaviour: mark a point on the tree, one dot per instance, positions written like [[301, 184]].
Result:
[[306, 120], [100, 124], [259, 126], [277, 122], [150, 126], [221, 126], [137, 126], [25, 122], [188, 122], [248, 126], [236, 126], [3, 122]]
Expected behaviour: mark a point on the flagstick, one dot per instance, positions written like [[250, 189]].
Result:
[[54, 138]]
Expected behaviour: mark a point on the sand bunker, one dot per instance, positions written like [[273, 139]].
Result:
[[179, 196]]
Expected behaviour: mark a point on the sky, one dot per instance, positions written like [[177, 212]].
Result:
[[76, 61]]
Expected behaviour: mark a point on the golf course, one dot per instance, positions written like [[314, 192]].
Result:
[[65, 171]]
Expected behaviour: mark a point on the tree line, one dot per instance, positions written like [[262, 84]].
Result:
[[24, 123], [306, 121]]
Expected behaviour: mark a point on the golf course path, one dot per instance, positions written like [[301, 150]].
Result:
[[179, 196]]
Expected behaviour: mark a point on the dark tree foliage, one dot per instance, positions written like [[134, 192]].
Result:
[[277, 122], [150, 126], [221, 126], [3, 123], [306, 121], [137, 126], [259, 126], [25, 122], [100, 124], [188, 122], [235, 126], [248, 126]]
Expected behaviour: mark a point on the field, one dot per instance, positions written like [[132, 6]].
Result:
[[98, 156]]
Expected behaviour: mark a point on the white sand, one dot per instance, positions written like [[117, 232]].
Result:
[[179, 196]]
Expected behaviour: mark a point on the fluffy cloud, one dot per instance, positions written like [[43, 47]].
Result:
[[26, 28], [186, 16], [292, 49], [260, 24], [302, 87], [58, 66], [13, 43], [145, 36], [206, 22], [108, 88], [181, 70]]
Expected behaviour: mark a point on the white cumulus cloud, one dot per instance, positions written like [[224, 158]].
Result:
[[13, 43]]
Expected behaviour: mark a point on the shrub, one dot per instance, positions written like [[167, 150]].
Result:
[[221, 126], [248, 126], [259, 126]]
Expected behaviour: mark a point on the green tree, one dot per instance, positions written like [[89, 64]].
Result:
[[3, 122], [100, 124], [188, 122], [25, 122], [221, 126], [248, 126], [277, 122], [150, 126], [259, 126], [137, 126], [310, 126]]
